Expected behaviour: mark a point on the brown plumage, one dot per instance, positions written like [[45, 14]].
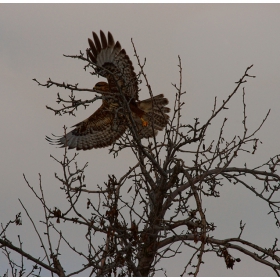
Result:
[[110, 121]]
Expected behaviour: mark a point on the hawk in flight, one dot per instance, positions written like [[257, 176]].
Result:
[[120, 100]]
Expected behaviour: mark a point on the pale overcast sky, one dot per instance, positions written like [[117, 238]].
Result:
[[216, 42]]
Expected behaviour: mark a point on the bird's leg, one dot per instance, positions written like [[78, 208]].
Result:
[[136, 110], [144, 123]]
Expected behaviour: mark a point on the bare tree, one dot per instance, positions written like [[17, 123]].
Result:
[[167, 212]]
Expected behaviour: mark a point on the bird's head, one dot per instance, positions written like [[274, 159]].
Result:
[[102, 87]]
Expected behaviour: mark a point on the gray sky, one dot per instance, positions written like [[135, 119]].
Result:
[[216, 42]]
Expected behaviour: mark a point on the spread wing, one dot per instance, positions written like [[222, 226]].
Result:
[[113, 63], [100, 130]]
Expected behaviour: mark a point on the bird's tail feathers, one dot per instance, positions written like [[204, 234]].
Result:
[[155, 114]]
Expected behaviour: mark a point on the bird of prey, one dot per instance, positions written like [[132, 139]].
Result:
[[119, 101]]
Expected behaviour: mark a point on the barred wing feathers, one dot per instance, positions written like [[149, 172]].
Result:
[[98, 131], [113, 63]]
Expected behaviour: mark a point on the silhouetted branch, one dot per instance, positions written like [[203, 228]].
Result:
[[164, 213]]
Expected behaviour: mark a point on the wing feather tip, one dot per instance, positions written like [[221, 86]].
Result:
[[103, 40], [111, 41], [97, 42]]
